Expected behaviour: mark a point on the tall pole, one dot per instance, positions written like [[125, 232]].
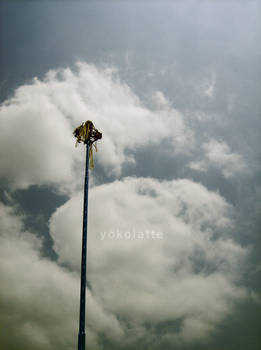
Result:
[[87, 134], [81, 335]]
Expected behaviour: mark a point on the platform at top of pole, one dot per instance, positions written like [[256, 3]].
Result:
[[87, 133]]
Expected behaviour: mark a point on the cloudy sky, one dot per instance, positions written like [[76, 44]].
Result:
[[174, 205]]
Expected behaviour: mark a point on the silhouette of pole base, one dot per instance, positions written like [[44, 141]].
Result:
[[81, 341]]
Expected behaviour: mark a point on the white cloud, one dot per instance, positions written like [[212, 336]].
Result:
[[188, 275], [210, 86], [161, 99], [219, 155], [39, 299], [200, 166], [36, 142]]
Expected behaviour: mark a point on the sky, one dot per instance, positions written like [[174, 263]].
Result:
[[174, 201]]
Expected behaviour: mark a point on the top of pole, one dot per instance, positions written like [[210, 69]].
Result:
[[87, 134]]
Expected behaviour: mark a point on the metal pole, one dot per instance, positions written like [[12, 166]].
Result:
[[81, 335]]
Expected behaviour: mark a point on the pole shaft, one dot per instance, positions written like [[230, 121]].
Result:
[[81, 335]]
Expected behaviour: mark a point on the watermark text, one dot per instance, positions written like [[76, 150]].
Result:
[[131, 234]]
